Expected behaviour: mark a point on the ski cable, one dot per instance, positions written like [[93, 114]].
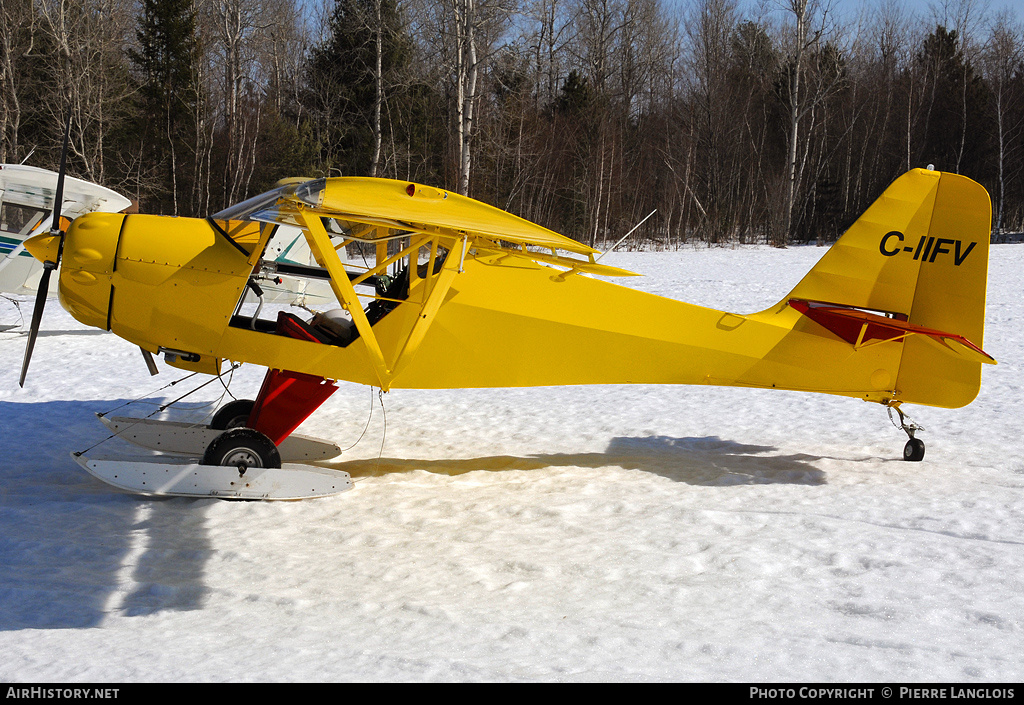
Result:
[[384, 435], [368, 417], [133, 401], [233, 367], [21, 316]]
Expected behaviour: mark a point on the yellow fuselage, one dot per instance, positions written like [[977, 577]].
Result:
[[495, 317], [174, 284]]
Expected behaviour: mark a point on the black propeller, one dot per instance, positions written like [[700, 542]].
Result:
[[48, 267]]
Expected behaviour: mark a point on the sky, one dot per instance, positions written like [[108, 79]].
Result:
[[927, 12], [930, 8], [927, 8], [922, 15]]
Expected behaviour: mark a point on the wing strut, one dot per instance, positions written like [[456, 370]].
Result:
[[320, 243]]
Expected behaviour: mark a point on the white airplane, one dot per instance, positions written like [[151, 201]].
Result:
[[26, 209]]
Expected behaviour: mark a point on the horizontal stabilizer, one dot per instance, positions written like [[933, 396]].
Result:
[[860, 328]]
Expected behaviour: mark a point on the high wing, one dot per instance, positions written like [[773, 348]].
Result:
[[377, 210]]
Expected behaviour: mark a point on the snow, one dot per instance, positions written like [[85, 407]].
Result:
[[567, 534]]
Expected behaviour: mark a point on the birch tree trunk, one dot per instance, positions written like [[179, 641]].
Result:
[[801, 43], [378, 80], [466, 68]]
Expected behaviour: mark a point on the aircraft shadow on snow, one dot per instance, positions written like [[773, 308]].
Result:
[[67, 542], [696, 461]]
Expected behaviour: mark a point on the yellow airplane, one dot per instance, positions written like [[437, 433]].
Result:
[[893, 313]]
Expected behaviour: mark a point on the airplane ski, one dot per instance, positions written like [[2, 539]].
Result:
[[192, 440], [149, 477]]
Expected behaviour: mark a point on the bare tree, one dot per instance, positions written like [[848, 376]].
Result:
[[88, 72], [811, 25], [710, 28], [548, 28], [1003, 62], [964, 17], [242, 39], [17, 30], [462, 37]]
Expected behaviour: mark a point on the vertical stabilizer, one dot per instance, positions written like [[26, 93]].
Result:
[[919, 254]]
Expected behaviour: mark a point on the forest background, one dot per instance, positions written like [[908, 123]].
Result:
[[763, 122]]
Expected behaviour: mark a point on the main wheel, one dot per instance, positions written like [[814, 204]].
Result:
[[234, 414], [914, 450], [242, 448]]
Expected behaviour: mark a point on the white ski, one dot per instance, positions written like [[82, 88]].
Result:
[[192, 440], [149, 476]]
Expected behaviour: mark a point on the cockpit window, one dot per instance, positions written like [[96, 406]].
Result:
[[19, 219]]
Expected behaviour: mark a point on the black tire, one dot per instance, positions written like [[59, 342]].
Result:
[[234, 414], [242, 448], [914, 450]]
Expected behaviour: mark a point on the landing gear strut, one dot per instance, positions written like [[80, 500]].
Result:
[[914, 450]]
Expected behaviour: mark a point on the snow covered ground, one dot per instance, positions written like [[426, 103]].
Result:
[[569, 534]]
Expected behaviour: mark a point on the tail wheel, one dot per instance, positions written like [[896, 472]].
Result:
[[242, 448], [914, 450], [234, 414]]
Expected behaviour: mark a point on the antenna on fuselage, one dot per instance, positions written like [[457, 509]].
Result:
[[622, 239]]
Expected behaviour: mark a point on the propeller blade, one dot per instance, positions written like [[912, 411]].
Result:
[[58, 196], [37, 314], [48, 267]]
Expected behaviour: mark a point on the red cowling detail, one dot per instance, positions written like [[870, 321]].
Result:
[[286, 399], [847, 322]]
